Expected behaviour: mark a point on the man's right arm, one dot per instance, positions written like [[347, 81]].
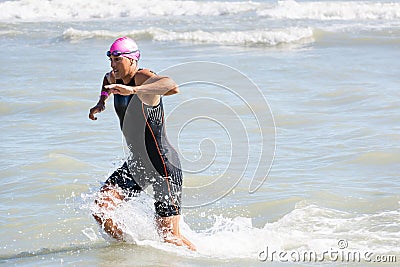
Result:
[[104, 95]]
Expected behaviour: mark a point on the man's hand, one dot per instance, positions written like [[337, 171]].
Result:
[[96, 109], [121, 89]]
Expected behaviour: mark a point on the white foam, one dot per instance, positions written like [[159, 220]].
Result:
[[9, 32], [72, 10], [134, 217], [253, 37], [267, 37], [137, 218], [60, 10], [76, 35], [307, 228], [330, 10], [90, 233]]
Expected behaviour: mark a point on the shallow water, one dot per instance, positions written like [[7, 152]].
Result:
[[327, 69]]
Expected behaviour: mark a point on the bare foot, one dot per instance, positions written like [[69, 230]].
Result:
[[188, 244], [110, 228], [170, 231]]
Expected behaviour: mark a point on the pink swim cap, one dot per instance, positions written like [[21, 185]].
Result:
[[123, 45]]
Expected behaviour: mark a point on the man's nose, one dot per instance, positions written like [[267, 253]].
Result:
[[112, 63]]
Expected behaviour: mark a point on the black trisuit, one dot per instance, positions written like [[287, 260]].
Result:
[[152, 161]]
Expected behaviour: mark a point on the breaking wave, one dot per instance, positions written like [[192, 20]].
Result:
[[60, 10], [254, 37]]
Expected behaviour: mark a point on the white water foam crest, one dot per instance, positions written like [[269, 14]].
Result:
[[329, 10], [292, 35], [10, 32], [60, 10], [309, 228], [306, 228], [254, 37], [75, 10], [134, 217], [145, 34]]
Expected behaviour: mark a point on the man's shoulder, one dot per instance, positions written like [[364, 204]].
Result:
[[143, 75], [146, 72], [110, 77]]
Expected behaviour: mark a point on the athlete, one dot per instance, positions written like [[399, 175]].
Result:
[[152, 161]]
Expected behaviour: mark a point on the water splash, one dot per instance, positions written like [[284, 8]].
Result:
[[306, 228]]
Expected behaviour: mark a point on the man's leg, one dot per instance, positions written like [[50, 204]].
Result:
[[108, 200], [170, 231]]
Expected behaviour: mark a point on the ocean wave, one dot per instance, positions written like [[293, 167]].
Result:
[[145, 34], [307, 234], [306, 228], [60, 10], [329, 10], [9, 32], [292, 35], [375, 158], [75, 10]]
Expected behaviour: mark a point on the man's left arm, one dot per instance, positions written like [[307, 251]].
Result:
[[147, 83], [158, 85]]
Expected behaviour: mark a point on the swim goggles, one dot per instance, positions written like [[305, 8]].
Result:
[[117, 53]]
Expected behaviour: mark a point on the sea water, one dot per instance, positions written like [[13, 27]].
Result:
[[287, 125]]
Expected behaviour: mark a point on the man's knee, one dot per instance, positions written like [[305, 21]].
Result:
[[109, 197]]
